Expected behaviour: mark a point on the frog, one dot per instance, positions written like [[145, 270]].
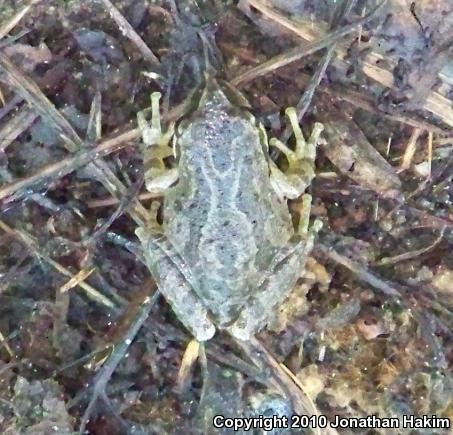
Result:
[[223, 249]]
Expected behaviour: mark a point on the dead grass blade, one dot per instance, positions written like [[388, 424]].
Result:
[[2, 98], [108, 202], [302, 51], [13, 21], [31, 92], [128, 31], [5, 344], [15, 126], [76, 280], [29, 241], [434, 102], [57, 170], [278, 377], [359, 271], [359, 100], [28, 89], [136, 317], [411, 147], [302, 106], [188, 360], [411, 254]]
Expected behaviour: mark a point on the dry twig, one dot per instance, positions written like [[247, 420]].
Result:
[[128, 31], [28, 240]]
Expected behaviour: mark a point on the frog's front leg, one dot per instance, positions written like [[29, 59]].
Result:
[[175, 281], [301, 161], [157, 177], [284, 272]]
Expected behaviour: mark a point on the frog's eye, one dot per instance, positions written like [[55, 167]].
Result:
[[263, 138], [250, 118], [195, 98], [183, 125]]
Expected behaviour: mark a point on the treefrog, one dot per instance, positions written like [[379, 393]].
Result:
[[226, 253]]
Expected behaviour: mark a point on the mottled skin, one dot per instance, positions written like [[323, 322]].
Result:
[[227, 252]]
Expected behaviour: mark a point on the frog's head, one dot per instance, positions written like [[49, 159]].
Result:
[[218, 93], [213, 93]]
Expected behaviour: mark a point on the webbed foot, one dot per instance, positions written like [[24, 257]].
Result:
[[293, 182]]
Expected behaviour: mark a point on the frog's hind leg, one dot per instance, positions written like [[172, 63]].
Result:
[[174, 280], [175, 288], [156, 148], [284, 272], [293, 182]]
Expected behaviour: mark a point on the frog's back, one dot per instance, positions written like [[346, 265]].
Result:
[[223, 216]]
